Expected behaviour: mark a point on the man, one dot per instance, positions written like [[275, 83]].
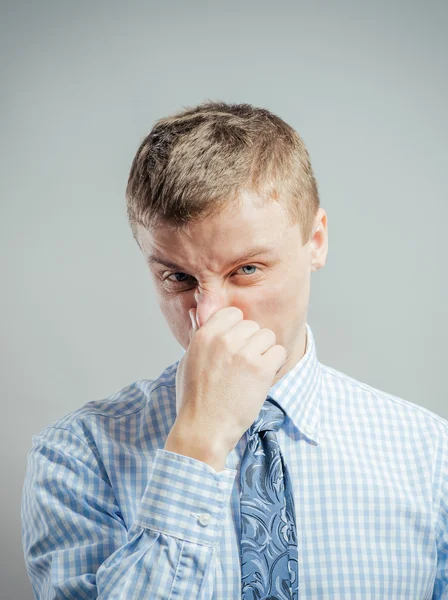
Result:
[[139, 495]]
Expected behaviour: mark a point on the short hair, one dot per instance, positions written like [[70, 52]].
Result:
[[193, 163]]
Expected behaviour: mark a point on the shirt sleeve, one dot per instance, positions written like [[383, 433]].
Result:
[[75, 541], [441, 580]]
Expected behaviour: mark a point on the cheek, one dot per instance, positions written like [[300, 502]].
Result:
[[174, 307], [266, 303], [281, 304], [175, 311]]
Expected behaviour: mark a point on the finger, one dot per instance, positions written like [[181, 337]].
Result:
[[192, 313]]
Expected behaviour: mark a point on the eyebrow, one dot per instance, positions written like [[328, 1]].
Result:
[[250, 253]]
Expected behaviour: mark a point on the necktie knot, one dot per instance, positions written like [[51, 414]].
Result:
[[270, 418]]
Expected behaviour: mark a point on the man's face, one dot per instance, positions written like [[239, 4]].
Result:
[[213, 267]]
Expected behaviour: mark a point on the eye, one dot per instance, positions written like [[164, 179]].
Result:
[[177, 280], [250, 266], [185, 278]]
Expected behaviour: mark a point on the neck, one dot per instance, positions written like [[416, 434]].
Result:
[[295, 356]]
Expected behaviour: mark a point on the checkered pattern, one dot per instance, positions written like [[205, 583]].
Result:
[[107, 513]]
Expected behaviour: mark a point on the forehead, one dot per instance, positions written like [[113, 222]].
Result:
[[234, 229]]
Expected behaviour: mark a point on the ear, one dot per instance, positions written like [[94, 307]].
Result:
[[319, 241]]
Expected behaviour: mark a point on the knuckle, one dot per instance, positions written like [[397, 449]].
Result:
[[282, 351], [226, 343], [246, 360], [202, 336], [269, 333], [253, 324]]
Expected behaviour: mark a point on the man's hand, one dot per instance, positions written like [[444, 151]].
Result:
[[222, 382]]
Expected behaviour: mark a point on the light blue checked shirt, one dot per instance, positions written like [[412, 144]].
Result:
[[107, 513]]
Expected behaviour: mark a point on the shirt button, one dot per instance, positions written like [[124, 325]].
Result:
[[204, 519]]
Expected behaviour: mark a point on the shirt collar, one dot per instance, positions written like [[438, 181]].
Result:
[[298, 391]]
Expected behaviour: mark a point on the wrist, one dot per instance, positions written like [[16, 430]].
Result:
[[182, 439]]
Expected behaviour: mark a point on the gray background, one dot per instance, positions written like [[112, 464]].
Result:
[[364, 83]]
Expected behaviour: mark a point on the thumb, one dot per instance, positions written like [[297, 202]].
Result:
[[192, 313]]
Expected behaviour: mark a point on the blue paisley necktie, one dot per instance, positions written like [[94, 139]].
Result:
[[269, 556]]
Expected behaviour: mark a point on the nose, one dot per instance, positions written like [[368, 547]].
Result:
[[207, 304]]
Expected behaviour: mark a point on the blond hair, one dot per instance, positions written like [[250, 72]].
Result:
[[193, 163]]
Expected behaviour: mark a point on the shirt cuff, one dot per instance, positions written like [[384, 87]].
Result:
[[186, 498]]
